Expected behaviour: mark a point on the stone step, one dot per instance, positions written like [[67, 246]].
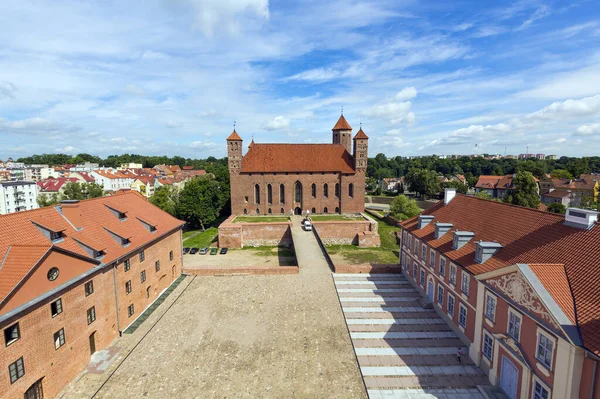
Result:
[[419, 371], [392, 315], [406, 321], [412, 295], [409, 351], [460, 393], [398, 328], [414, 360], [379, 299], [372, 283], [408, 343], [382, 309], [426, 382], [366, 275], [377, 291], [402, 335]]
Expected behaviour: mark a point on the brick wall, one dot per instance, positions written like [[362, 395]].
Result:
[[236, 235], [343, 232]]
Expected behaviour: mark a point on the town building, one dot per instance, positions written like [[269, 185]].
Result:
[[296, 178], [55, 186], [520, 287], [497, 186], [112, 180], [73, 277], [551, 157], [85, 167], [144, 185], [17, 196], [391, 184], [557, 197], [132, 165]]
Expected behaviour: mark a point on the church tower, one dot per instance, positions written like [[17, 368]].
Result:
[[360, 151], [234, 152], [342, 133]]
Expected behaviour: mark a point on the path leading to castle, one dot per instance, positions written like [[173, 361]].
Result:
[[244, 337]]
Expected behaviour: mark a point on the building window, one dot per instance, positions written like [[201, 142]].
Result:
[[16, 370], [422, 277], [451, 305], [128, 286], [127, 265], [59, 338], [325, 210], [326, 190], [53, 274], [269, 194], [465, 283], [488, 346], [539, 391], [442, 267], [142, 256], [545, 350], [147, 292], [423, 252], [281, 194], [462, 316], [281, 211], [269, 211], [408, 241], [143, 276], [490, 307], [337, 190], [257, 211], [171, 255], [440, 296], [453, 274], [11, 334], [157, 265], [91, 315], [314, 211], [56, 307], [298, 192], [313, 190], [432, 260], [415, 271], [351, 190], [130, 310], [416, 249], [245, 211], [89, 288], [514, 325], [256, 194]]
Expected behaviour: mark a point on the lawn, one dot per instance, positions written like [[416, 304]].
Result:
[[357, 256], [202, 239], [388, 235], [283, 252], [343, 218], [260, 219], [188, 233]]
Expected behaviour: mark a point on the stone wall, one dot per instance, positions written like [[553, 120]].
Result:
[[348, 232], [238, 235]]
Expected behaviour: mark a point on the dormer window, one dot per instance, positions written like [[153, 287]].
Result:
[[148, 224], [55, 236], [120, 214]]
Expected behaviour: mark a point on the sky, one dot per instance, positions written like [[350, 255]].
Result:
[[170, 77]]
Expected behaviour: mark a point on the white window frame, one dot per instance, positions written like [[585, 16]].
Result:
[[549, 338], [465, 280], [408, 236], [539, 382], [442, 266], [489, 296], [452, 276], [491, 339], [424, 252], [440, 295], [451, 308], [520, 317], [422, 278], [432, 259], [416, 248], [415, 271], [461, 307]]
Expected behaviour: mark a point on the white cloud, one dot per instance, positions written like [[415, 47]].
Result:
[[202, 144], [588, 130], [560, 140], [395, 110], [35, 126], [541, 12], [173, 124], [277, 123], [66, 150], [7, 89], [316, 75], [577, 83], [407, 93]]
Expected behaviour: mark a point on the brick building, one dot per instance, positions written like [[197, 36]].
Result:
[[72, 278], [295, 178], [519, 286]]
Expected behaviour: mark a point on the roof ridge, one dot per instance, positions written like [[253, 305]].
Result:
[[557, 215]]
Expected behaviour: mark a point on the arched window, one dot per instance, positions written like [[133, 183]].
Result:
[[269, 210], [313, 190], [298, 192], [337, 190], [325, 210], [256, 194], [314, 211], [257, 211], [281, 211], [351, 190], [269, 194], [325, 190], [281, 194], [337, 210], [245, 211]]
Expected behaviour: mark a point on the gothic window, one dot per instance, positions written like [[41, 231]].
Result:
[[298, 192], [351, 190], [245, 211], [337, 190], [337, 210], [269, 210], [313, 190], [269, 194], [314, 211], [256, 194], [281, 194], [257, 211], [281, 211], [325, 190], [325, 210]]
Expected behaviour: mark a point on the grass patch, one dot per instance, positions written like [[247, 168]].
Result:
[[202, 239], [357, 256], [388, 235], [343, 218], [188, 233], [282, 252], [260, 219]]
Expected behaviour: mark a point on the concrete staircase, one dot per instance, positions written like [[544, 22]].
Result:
[[404, 350]]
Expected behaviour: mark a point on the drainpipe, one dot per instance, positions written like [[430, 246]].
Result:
[[593, 390], [117, 298]]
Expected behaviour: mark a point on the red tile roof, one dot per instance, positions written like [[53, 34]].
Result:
[[234, 136], [342, 124], [277, 158], [487, 181], [18, 231], [361, 135], [554, 279], [528, 236], [53, 185], [557, 194]]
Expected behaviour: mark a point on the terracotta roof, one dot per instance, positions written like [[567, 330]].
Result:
[[528, 236], [188, 167], [342, 124], [271, 158], [554, 279], [146, 179], [487, 181], [234, 136], [574, 184], [17, 229], [54, 184], [360, 135], [557, 194], [49, 224]]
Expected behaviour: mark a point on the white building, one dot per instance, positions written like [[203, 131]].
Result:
[[112, 181], [84, 167], [36, 172], [131, 165], [16, 196]]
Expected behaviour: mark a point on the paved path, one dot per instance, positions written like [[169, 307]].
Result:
[[404, 351], [308, 252]]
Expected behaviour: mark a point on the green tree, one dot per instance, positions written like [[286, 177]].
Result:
[[72, 191], [165, 198], [424, 182], [403, 208], [561, 174], [44, 200], [525, 192], [537, 168], [460, 188], [201, 202], [92, 190], [557, 207], [484, 195]]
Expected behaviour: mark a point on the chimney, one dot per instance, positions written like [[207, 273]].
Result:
[[486, 250], [424, 220], [461, 238], [449, 194], [72, 212], [442, 228], [580, 218]]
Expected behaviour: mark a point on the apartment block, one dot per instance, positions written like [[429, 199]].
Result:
[[17, 196]]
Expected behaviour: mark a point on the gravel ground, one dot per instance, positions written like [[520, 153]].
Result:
[[237, 258], [245, 337]]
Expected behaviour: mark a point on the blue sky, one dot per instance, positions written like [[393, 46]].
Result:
[[171, 76]]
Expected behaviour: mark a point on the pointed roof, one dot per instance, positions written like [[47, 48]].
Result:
[[251, 143], [234, 136], [342, 124], [360, 135]]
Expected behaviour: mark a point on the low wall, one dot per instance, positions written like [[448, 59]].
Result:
[[345, 232], [258, 270], [238, 235]]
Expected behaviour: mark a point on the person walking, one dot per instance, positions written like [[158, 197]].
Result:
[[459, 354]]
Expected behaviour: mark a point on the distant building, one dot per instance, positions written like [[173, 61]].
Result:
[[497, 186], [390, 184], [540, 156], [17, 196], [551, 157], [559, 197], [527, 156], [36, 172], [85, 167], [131, 165]]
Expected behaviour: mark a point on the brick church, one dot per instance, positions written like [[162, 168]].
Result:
[[295, 178]]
